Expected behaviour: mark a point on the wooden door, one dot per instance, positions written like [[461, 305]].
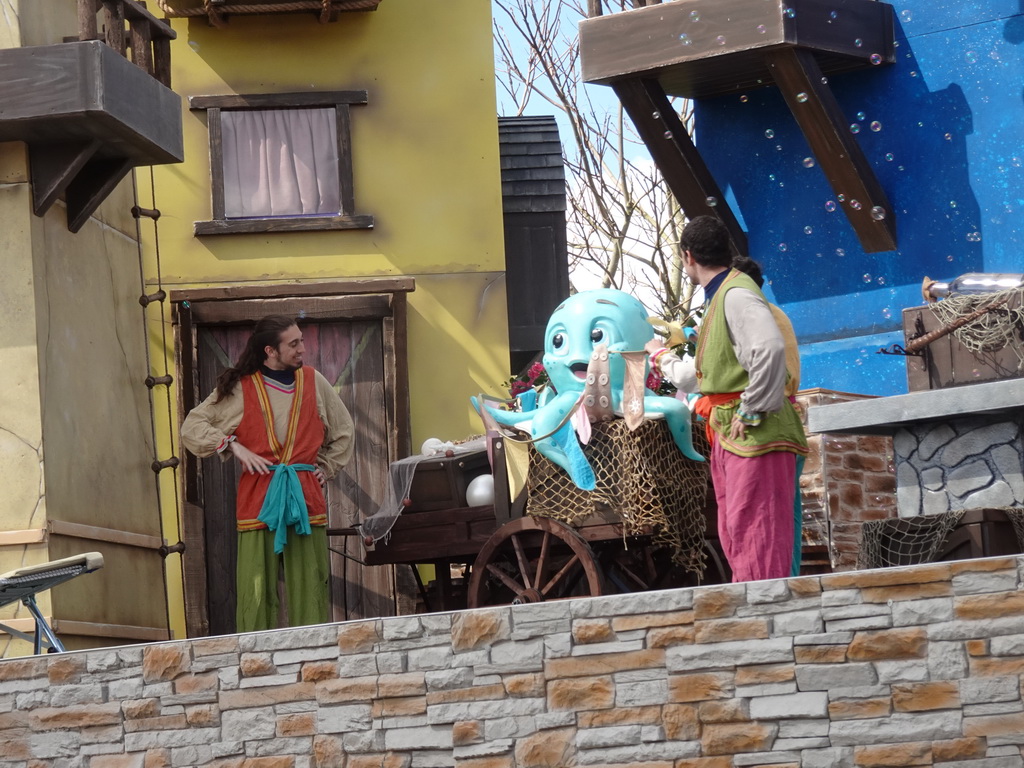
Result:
[[357, 356]]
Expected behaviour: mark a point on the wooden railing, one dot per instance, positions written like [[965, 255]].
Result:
[[596, 7], [128, 25]]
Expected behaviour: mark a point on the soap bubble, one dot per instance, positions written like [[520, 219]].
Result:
[[808, 162], [971, 57], [769, 134], [830, 206], [761, 28], [790, 13], [685, 39], [974, 237], [783, 247], [880, 280], [858, 43], [744, 98], [854, 127], [694, 16], [834, 15], [720, 39], [876, 126], [712, 201], [877, 213], [801, 97], [808, 230], [889, 156], [861, 115], [886, 313], [855, 204], [867, 277], [840, 252], [824, 81], [906, 15], [667, 134], [876, 59], [656, 115]]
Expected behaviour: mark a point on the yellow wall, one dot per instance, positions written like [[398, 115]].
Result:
[[425, 165]]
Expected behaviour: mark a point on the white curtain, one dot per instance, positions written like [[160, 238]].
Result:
[[280, 162]]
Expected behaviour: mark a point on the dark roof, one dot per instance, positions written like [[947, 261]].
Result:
[[532, 171]]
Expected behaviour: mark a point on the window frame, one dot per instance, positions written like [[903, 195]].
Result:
[[341, 102]]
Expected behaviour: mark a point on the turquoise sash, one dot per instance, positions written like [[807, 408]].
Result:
[[285, 504]]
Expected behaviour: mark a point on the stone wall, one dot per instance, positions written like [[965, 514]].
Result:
[[967, 463], [847, 480], [911, 666]]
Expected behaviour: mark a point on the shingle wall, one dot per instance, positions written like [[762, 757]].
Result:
[[903, 667]]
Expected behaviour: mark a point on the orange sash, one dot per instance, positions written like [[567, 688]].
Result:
[[705, 404]]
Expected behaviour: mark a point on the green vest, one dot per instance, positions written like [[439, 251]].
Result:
[[719, 372]]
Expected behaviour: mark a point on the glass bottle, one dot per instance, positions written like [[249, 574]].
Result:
[[971, 283]]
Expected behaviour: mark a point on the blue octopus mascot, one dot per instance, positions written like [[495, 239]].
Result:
[[592, 339]]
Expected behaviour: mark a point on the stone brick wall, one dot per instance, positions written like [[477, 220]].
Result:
[[847, 480], [911, 666], [966, 463]]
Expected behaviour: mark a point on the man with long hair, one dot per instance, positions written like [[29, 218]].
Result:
[[740, 370], [290, 433]]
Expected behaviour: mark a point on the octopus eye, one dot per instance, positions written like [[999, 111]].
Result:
[[597, 335], [557, 341]]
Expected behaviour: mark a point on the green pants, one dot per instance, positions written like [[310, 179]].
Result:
[[306, 572]]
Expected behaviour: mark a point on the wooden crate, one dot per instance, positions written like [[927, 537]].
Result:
[[440, 483], [947, 363]]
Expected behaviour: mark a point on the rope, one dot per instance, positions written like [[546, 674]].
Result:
[[216, 10], [992, 330], [149, 362]]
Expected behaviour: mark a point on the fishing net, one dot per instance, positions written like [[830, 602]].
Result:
[[905, 540], [1000, 328], [642, 479]]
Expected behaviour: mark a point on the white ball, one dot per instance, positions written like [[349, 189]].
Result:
[[432, 446], [480, 491]]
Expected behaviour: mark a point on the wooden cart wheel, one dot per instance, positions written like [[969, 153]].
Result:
[[530, 560]]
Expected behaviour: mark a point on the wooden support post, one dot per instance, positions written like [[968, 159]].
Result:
[[87, 28], [675, 155], [827, 132], [54, 167], [162, 60], [113, 20], [142, 53], [91, 187], [594, 8]]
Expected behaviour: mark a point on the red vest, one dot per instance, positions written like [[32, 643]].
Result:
[[305, 436]]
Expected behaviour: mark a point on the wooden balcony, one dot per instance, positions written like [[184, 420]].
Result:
[[703, 48], [89, 114]]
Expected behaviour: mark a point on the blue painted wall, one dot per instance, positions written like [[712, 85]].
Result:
[[944, 130]]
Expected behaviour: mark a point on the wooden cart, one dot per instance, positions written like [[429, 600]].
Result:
[[508, 556]]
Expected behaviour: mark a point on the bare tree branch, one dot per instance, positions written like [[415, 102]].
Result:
[[623, 224]]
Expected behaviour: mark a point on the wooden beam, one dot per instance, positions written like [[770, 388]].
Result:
[[27, 536], [277, 100], [298, 224], [109, 535], [343, 287], [827, 132], [91, 187], [53, 167], [119, 631], [361, 306], [675, 155]]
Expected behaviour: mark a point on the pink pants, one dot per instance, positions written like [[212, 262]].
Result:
[[755, 512]]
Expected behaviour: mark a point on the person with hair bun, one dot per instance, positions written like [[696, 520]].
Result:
[[756, 435], [290, 433]]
